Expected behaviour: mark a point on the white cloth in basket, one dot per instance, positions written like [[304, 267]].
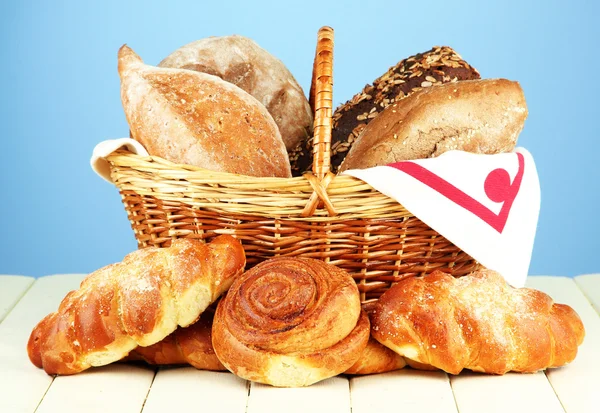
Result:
[[487, 205], [103, 149]]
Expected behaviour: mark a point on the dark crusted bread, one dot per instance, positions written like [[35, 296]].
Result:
[[438, 65]]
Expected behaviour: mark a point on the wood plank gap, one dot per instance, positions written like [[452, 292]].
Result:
[[149, 388], [350, 391], [45, 393], [453, 394], [249, 386], [554, 390], [586, 283], [18, 298]]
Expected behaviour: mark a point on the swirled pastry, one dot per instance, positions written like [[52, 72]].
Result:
[[290, 322]]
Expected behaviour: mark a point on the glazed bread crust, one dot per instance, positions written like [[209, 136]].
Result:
[[137, 302], [476, 322]]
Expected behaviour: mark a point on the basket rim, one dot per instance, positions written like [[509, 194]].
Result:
[[123, 157], [308, 198]]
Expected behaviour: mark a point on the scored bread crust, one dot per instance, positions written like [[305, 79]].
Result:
[[478, 116], [290, 322], [241, 61], [136, 302], [476, 322], [199, 119]]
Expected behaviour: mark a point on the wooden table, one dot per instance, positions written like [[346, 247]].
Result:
[[132, 388]]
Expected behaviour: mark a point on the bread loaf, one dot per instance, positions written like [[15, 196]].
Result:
[[198, 119], [476, 322], [438, 65], [479, 116], [239, 60], [290, 322], [376, 358], [187, 345], [137, 302]]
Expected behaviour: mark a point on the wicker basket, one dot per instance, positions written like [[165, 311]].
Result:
[[338, 219]]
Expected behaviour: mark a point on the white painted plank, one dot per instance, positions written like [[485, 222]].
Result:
[[22, 385], [405, 390], [577, 384], [12, 288], [181, 389], [512, 392], [328, 396], [590, 285], [117, 388]]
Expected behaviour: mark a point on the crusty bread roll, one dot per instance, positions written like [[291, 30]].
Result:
[[187, 345], [476, 322], [241, 61], [290, 322], [137, 302], [198, 119], [479, 116]]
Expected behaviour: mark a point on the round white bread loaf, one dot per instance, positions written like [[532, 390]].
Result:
[[241, 61]]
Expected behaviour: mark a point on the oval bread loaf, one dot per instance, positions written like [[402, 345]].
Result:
[[479, 116], [198, 119]]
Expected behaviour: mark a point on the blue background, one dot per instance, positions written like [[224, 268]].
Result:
[[60, 96]]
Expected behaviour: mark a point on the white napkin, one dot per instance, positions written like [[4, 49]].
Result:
[[103, 149], [487, 205]]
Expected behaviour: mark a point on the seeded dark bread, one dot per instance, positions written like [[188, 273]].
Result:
[[438, 65], [479, 116]]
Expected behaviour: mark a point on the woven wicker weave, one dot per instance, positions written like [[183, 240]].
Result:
[[338, 219]]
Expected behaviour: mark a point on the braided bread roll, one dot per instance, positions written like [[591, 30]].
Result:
[[190, 345], [137, 302], [290, 322], [476, 322]]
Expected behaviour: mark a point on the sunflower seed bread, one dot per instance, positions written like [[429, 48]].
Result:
[[438, 65]]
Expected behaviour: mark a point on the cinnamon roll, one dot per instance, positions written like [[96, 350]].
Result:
[[290, 322]]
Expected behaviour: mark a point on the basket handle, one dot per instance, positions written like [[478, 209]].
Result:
[[321, 100]]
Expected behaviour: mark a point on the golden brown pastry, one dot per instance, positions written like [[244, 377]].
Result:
[[476, 322], [290, 322], [136, 302], [376, 358], [198, 119], [187, 345], [239, 60], [478, 116]]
